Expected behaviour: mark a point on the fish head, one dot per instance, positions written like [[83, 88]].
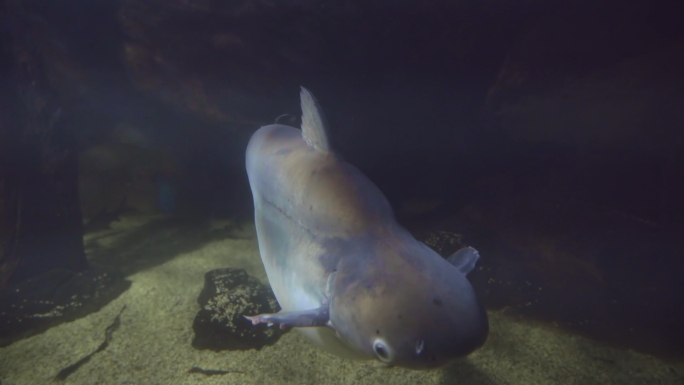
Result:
[[407, 317]]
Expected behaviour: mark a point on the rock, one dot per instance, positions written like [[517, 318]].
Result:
[[54, 297], [228, 295]]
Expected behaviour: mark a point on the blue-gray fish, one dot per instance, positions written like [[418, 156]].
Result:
[[345, 273]]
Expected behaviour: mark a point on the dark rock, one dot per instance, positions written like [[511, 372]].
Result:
[[229, 295], [57, 296]]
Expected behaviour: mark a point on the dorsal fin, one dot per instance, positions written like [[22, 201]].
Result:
[[313, 123]]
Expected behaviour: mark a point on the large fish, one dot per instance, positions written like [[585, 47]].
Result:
[[345, 273]]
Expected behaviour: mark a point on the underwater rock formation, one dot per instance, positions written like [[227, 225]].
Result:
[[229, 295]]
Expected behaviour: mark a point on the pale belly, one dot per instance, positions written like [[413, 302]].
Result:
[[289, 255]]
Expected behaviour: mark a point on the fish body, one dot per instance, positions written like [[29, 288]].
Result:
[[345, 273]]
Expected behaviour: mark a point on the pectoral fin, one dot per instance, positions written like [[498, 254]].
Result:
[[299, 318]]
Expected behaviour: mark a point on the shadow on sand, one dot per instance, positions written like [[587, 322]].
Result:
[[155, 242], [465, 373]]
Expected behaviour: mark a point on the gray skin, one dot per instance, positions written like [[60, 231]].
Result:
[[345, 273]]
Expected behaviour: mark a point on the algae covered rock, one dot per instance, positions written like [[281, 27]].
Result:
[[229, 295]]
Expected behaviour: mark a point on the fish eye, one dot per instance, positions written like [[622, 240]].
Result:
[[382, 351]]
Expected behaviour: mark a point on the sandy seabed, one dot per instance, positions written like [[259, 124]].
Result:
[[166, 262]]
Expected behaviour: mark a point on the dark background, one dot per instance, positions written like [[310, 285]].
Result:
[[548, 135]]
